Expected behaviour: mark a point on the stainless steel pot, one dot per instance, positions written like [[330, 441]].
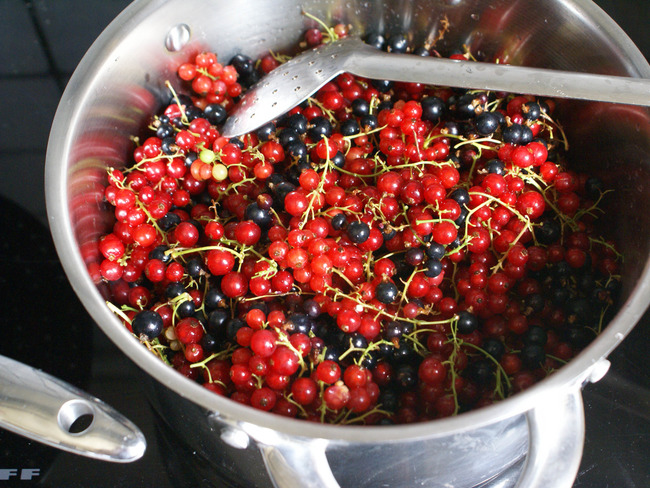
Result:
[[535, 437]]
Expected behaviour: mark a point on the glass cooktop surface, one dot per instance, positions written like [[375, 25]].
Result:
[[42, 42]]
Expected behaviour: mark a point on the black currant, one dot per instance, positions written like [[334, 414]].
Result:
[[406, 376], [165, 130], [169, 220], [526, 135], [349, 127], [594, 187], [249, 79], [397, 43], [194, 267], [414, 256], [533, 303], [185, 309], [297, 122], [375, 40], [407, 352], [533, 356], [209, 343], [312, 308], [586, 283], [386, 292], [383, 86], [512, 134], [355, 340], [358, 232], [168, 145], [332, 353], [495, 166], [265, 132], [421, 51], [232, 326], [160, 253], [368, 122], [193, 112], [288, 135], [260, 216], [214, 298], [338, 159], [319, 127], [433, 268], [147, 324], [392, 330], [215, 113], [190, 157], [480, 371], [559, 295], [217, 320], [360, 107], [297, 151], [369, 361], [174, 289], [237, 142], [460, 195], [486, 123], [548, 231], [494, 347], [388, 233], [467, 322], [578, 310], [452, 128], [389, 400], [462, 217], [339, 221], [384, 105], [243, 64], [385, 350], [579, 337], [535, 335], [435, 250], [465, 106], [299, 322], [531, 110]]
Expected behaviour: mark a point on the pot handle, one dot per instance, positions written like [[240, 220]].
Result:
[[292, 462], [556, 430], [556, 435], [47, 410], [555, 442], [305, 462]]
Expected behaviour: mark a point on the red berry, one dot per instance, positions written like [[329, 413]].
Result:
[[531, 204], [328, 372], [263, 343], [263, 398], [444, 233], [336, 396], [234, 284], [284, 361], [219, 262], [186, 234], [304, 391], [189, 330]]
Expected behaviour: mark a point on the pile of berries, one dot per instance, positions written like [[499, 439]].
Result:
[[384, 253]]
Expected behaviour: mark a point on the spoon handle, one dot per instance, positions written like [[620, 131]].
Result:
[[371, 63]]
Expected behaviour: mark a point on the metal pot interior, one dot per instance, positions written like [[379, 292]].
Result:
[[120, 82]]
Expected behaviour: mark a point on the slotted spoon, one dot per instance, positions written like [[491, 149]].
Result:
[[294, 81]]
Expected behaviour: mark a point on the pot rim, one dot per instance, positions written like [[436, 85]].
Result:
[[68, 114]]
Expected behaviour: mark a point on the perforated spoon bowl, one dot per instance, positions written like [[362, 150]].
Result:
[[299, 78]]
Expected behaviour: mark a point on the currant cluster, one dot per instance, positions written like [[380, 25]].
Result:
[[383, 253]]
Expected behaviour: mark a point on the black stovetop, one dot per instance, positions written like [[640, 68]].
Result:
[[44, 324]]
